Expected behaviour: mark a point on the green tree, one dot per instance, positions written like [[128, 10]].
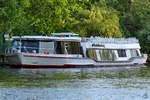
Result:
[[140, 14], [8, 11], [97, 22], [21, 21], [49, 16]]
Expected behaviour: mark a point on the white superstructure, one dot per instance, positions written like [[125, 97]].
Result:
[[69, 50]]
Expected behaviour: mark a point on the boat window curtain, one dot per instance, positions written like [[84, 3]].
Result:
[[68, 47], [101, 55]]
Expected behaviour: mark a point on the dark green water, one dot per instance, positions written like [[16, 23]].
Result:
[[127, 83]]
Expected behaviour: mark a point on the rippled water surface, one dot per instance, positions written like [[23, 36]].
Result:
[[117, 83]]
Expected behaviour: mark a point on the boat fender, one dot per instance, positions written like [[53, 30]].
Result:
[[8, 52]]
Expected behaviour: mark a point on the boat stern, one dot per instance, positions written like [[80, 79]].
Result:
[[14, 59]]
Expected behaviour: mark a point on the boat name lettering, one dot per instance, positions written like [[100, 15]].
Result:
[[97, 45]]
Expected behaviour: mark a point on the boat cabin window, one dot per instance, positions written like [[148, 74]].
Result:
[[122, 53], [30, 46], [134, 53], [67, 47], [46, 47], [101, 55]]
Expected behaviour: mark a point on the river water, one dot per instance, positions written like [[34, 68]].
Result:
[[116, 83]]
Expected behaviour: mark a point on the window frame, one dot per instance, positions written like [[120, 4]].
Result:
[[122, 53]]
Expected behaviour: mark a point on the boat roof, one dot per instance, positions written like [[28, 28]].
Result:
[[131, 40], [46, 38]]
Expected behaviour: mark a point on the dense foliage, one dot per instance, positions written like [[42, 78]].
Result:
[[107, 18]]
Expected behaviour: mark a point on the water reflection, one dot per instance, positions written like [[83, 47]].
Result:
[[78, 77], [81, 81]]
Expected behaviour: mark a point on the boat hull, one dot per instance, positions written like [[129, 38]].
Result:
[[47, 61], [61, 61]]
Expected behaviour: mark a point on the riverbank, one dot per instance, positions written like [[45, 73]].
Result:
[[3, 60]]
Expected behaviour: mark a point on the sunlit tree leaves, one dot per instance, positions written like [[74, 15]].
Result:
[[97, 22]]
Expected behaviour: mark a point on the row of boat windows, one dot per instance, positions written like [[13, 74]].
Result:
[[122, 53], [109, 55], [68, 47], [53, 47], [101, 55]]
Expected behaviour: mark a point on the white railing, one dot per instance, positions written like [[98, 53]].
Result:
[[41, 51], [111, 40], [28, 50]]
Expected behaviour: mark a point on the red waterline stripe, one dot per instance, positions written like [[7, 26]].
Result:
[[78, 65], [57, 65], [11, 55], [70, 65], [45, 66]]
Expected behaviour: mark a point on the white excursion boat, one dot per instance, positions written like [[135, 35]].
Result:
[[67, 50]]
